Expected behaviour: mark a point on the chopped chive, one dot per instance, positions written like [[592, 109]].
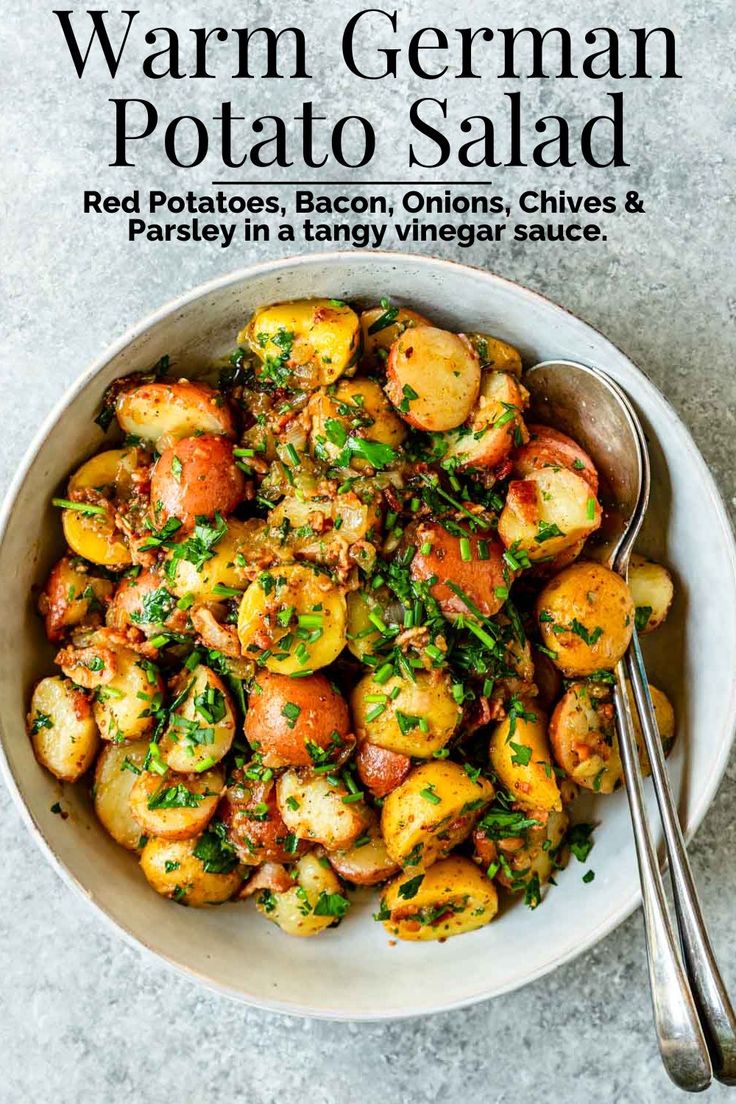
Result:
[[466, 553], [80, 507]]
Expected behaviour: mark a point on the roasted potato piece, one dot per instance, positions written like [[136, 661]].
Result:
[[318, 529], [162, 413], [313, 903], [586, 617], [471, 565], [307, 343], [432, 811], [175, 869], [62, 729], [296, 616], [201, 725], [652, 589], [411, 718], [175, 806], [94, 536], [665, 716], [520, 757], [367, 862], [548, 448], [118, 766], [582, 732], [536, 856], [433, 378], [584, 740], [547, 512], [226, 570], [126, 703], [197, 477], [354, 408], [145, 602], [72, 596], [381, 326], [292, 721], [249, 810], [495, 354], [495, 424], [379, 769], [450, 898], [313, 808]]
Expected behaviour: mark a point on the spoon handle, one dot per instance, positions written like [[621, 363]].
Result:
[[716, 1011], [679, 1034]]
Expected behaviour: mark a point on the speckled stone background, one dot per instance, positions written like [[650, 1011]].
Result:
[[83, 1017]]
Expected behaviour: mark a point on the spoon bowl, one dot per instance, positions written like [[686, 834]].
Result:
[[587, 405]]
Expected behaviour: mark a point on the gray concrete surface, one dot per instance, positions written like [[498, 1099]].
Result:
[[83, 1017]]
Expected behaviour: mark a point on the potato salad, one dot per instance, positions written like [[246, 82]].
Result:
[[329, 617]]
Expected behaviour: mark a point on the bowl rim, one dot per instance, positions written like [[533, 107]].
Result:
[[696, 813]]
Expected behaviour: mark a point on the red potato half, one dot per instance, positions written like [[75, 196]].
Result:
[[548, 448], [145, 603], [72, 596], [547, 512], [255, 827], [367, 862], [495, 423], [163, 413], [286, 716], [197, 477], [380, 769], [433, 378], [479, 577]]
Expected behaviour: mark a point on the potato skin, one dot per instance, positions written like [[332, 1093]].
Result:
[[453, 897], [208, 482], [428, 699], [313, 809], [293, 910], [478, 578], [495, 423], [379, 769], [117, 768], [62, 729], [292, 587], [173, 870], [315, 339], [72, 596], [257, 833], [549, 448], [419, 829], [178, 822], [652, 589], [547, 512], [533, 784], [442, 369], [133, 605], [163, 412], [367, 862], [282, 741], [598, 600]]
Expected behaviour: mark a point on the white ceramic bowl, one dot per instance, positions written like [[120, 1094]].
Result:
[[353, 972]]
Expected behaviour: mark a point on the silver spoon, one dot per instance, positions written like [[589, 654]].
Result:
[[584, 403]]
